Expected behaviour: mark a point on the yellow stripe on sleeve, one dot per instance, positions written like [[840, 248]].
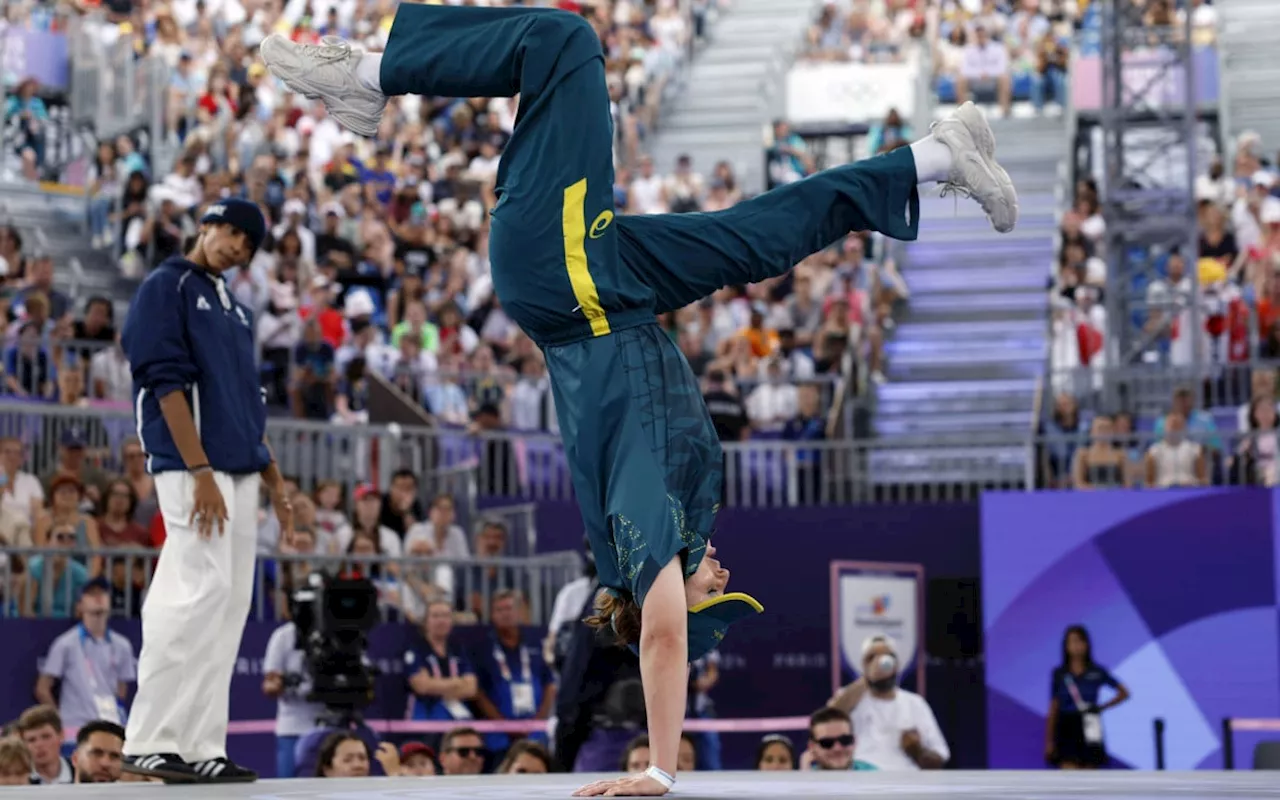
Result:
[[575, 257]]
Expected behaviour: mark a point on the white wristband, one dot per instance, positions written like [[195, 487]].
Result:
[[661, 777]]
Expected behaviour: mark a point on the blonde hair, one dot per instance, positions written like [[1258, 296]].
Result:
[[621, 615], [14, 758]]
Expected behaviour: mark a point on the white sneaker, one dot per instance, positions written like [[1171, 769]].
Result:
[[327, 72], [974, 171]]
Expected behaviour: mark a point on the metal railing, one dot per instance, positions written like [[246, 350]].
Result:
[[1147, 390], [405, 585]]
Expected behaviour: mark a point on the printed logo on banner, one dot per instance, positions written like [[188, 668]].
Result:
[[875, 600]]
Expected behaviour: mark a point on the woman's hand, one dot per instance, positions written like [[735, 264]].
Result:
[[389, 758], [631, 786], [209, 508]]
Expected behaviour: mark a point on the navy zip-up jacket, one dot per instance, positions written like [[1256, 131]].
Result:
[[184, 335]]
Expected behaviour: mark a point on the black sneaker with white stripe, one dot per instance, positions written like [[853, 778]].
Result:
[[166, 766], [222, 770]]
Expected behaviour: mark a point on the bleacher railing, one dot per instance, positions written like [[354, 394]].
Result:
[[500, 474], [405, 585]]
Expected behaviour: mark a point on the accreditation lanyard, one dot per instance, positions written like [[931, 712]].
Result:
[[104, 698], [526, 673], [433, 664], [1091, 721]]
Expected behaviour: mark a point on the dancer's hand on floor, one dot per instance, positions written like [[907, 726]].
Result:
[[631, 786]]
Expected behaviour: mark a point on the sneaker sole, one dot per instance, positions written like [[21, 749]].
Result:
[[168, 776], [221, 779], [276, 40], [985, 139]]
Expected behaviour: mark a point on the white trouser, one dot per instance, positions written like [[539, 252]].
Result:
[[192, 621]]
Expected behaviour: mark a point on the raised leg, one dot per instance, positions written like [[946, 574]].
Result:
[[685, 257]]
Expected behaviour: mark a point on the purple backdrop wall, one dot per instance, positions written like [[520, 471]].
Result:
[[1179, 591], [780, 556]]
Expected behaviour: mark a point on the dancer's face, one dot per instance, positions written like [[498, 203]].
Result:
[[709, 581]]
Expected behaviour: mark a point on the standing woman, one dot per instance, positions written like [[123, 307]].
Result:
[[201, 420], [1073, 734]]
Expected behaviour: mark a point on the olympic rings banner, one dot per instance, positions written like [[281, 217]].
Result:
[[1178, 589], [870, 598]]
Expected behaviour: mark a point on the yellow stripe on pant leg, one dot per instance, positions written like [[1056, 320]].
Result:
[[574, 222]]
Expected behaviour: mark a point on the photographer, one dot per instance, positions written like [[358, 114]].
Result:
[[895, 729], [286, 680]]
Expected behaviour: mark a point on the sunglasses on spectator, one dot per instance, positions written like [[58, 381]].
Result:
[[64, 537], [469, 752], [828, 742]]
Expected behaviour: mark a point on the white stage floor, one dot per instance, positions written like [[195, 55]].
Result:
[[749, 785]]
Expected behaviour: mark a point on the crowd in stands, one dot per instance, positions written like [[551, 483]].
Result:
[[994, 52], [376, 260], [509, 674], [1220, 320]]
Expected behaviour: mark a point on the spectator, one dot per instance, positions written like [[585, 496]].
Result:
[[440, 675], [144, 487], [514, 681], [65, 494], [286, 680], [728, 414], [332, 527], [462, 752], [401, 508], [1262, 386], [1258, 450], [40, 282], [414, 759], [49, 593], [635, 759], [685, 188], [486, 581], [16, 768], [74, 444], [116, 524], [1197, 421], [984, 72], [110, 377], [28, 369], [314, 376], [526, 758], [41, 730], [775, 754], [896, 728], [449, 539], [1060, 436], [648, 192], [831, 742], [773, 403], [91, 665], [22, 492], [367, 521], [1174, 460], [343, 755], [1101, 465], [99, 752]]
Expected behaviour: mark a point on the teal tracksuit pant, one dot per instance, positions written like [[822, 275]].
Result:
[[586, 285]]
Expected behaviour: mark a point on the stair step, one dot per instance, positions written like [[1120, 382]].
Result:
[[973, 346], [1021, 368], [1001, 466], [968, 355], [932, 423], [1015, 278], [943, 331]]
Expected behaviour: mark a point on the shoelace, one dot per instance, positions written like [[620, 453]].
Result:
[[330, 49]]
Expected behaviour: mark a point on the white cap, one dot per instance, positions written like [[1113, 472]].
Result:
[[295, 206], [358, 304], [1263, 178], [879, 638], [1269, 214]]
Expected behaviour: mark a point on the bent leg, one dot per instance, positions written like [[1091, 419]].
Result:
[[685, 257], [450, 51]]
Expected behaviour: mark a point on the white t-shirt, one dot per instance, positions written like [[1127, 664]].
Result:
[[646, 195], [26, 487], [878, 726], [294, 716]]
